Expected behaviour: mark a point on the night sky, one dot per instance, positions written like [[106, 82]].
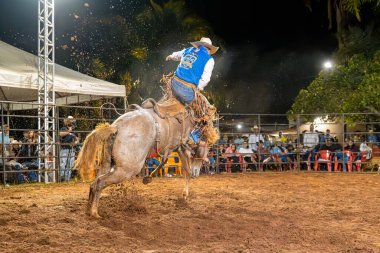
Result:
[[271, 49]]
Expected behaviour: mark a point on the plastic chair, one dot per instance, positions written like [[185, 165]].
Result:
[[347, 158], [323, 156]]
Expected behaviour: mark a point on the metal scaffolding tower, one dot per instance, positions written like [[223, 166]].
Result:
[[46, 93]]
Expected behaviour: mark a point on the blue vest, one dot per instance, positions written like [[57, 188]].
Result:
[[192, 65]]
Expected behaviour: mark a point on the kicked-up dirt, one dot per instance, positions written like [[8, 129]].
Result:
[[255, 212]]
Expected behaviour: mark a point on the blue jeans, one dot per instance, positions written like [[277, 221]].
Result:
[[151, 162], [66, 163], [31, 165], [183, 93]]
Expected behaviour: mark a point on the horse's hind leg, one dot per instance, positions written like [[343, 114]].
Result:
[[185, 158], [113, 177]]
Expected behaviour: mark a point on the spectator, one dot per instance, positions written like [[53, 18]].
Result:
[[249, 160], [267, 144], [367, 150], [68, 143], [210, 168], [222, 157], [254, 138], [13, 153], [224, 140], [310, 138], [325, 136], [372, 138], [28, 155], [232, 159], [151, 164], [356, 155], [262, 154], [4, 140], [280, 137], [238, 141], [311, 142]]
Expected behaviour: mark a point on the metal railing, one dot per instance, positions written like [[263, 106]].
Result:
[[234, 129]]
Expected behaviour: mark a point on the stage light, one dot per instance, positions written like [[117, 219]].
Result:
[[327, 65]]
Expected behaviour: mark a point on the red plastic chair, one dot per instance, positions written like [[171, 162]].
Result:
[[347, 155], [323, 156]]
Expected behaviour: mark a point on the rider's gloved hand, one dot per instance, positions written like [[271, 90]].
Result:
[[168, 58]]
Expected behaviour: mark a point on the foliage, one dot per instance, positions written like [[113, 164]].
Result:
[[129, 48], [353, 84], [350, 87]]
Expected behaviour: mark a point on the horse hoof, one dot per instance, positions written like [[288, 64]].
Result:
[[147, 180], [95, 216]]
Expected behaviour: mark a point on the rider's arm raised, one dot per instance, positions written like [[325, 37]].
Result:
[[206, 76], [176, 56]]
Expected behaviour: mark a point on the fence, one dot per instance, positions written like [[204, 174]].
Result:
[[16, 166], [283, 144]]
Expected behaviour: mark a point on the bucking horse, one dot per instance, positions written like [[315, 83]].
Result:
[[113, 153]]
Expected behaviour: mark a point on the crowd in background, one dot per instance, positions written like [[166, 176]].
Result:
[[21, 156], [275, 151], [254, 151]]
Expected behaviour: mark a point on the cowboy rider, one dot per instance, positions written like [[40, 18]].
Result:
[[193, 72]]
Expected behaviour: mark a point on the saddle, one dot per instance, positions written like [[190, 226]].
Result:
[[166, 108]]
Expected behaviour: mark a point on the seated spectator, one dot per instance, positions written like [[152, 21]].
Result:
[[262, 154], [327, 145], [324, 156], [222, 158], [249, 158], [232, 156], [277, 156], [356, 155], [366, 155], [28, 155], [366, 150], [303, 155], [352, 147], [290, 153], [151, 165], [10, 165], [13, 154], [210, 168]]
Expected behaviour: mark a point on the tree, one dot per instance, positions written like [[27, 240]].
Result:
[[353, 84], [350, 87], [130, 48]]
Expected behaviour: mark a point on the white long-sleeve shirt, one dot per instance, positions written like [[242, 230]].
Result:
[[310, 139], [206, 76], [253, 140]]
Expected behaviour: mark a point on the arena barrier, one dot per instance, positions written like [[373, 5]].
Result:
[[235, 129]]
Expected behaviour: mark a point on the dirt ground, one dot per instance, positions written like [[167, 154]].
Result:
[[269, 212]]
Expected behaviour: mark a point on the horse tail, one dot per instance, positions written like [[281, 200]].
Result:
[[95, 152]]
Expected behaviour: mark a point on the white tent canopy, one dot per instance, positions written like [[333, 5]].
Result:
[[19, 81]]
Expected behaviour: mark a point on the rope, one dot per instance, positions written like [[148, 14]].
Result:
[[108, 103]]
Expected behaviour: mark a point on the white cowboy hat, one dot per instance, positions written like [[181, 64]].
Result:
[[69, 119], [206, 42]]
